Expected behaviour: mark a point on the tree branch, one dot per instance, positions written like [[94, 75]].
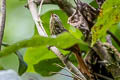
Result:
[[33, 9], [101, 51], [36, 18], [109, 53], [63, 4], [3, 18]]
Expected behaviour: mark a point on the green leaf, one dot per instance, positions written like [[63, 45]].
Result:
[[46, 66], [35, 54], [108, 17], [75, 32], [22, 66], [64, 40], [94, 4], [1, 68], [38, 48], [43, 60]]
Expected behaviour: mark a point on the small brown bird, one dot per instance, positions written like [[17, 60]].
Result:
[[56, 28]]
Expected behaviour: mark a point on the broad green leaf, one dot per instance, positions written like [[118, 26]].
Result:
[[1, 68], [64, 40], [22, 67], [108, 17], [34, 54], [38, 48], [43, 61], [75, 32], [94, 4], [46, 66]]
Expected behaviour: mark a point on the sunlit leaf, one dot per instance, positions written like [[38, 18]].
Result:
[[64, 40], [108, 17]]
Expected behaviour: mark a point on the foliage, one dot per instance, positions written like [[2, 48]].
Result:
[[21, 34], [36, 53], [108, 17]]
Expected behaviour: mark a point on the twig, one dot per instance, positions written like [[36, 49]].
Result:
[[41, 25], [33, 9], [40, 6], [59, 66], [104, 52], [69, 65], [102, 76], [61, 74], [68, 71], [3, 19], [101, 51], [114, 37], [63, 4]]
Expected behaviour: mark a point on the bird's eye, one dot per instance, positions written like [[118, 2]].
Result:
[[55, 15]]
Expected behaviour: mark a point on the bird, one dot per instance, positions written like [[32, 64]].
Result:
[[56, 28]]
